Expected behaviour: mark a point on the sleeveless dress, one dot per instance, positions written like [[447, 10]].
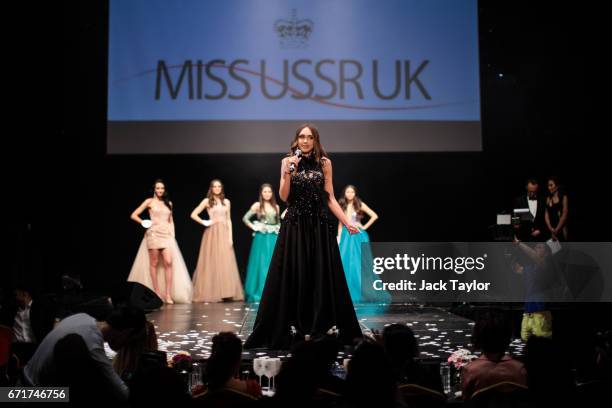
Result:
[[216, 275], [356, 254], [160, 236], [305, 291], [555, 211]]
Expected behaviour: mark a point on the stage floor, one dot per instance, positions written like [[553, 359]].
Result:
[[182, 327]]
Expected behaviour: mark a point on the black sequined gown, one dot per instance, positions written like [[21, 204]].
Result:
[[306, 287]]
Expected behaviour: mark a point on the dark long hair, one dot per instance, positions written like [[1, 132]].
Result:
[[164, 197], [261, 213], [492, 332], [223, 360], [401, 347], [211, 196], [356, 201], [317, 151], [560, 188], [128, 357], [363, 389]]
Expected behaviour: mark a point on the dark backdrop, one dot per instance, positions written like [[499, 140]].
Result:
[[534, 77]]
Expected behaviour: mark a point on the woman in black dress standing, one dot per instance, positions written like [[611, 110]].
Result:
[[306, 291], [556, 210]]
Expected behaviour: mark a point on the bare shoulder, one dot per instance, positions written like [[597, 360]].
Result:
[[226, 201], [203, 204], [147, 203]]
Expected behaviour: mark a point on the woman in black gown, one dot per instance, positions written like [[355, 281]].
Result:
[[556, 210], [306, 287]]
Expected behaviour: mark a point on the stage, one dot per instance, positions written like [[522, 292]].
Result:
[[190, 327]]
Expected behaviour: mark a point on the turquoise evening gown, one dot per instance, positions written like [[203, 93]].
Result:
[[360, 285], [262, 247]]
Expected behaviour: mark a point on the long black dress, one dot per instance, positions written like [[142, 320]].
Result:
[[306, 287]]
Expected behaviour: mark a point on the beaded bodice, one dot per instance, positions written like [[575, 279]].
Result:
[[270, 218], [307, 195]]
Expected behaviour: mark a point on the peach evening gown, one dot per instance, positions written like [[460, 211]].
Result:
[[216, 275], [161, 235]]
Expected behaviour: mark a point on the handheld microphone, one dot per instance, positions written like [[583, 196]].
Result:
[[297, 153]]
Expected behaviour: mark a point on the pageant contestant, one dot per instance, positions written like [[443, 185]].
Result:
[[305, 291], [159, 264], [216, 276], [265, 233], [351, 248]]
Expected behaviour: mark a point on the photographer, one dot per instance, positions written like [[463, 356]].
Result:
[[536, 269]]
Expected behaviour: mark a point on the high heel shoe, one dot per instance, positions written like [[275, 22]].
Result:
[[169, 300]]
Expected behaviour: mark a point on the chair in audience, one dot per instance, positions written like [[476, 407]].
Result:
[[594, 393], [325, 398], [418, 396], [505, 394], [224, 398]]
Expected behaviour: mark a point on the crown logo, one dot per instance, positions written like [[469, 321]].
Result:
[[293, 33]]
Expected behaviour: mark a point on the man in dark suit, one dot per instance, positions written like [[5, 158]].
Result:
[[533, 225]]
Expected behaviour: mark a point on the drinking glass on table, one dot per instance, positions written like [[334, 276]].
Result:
[[196, 376], [445, 374], [258, 367]]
